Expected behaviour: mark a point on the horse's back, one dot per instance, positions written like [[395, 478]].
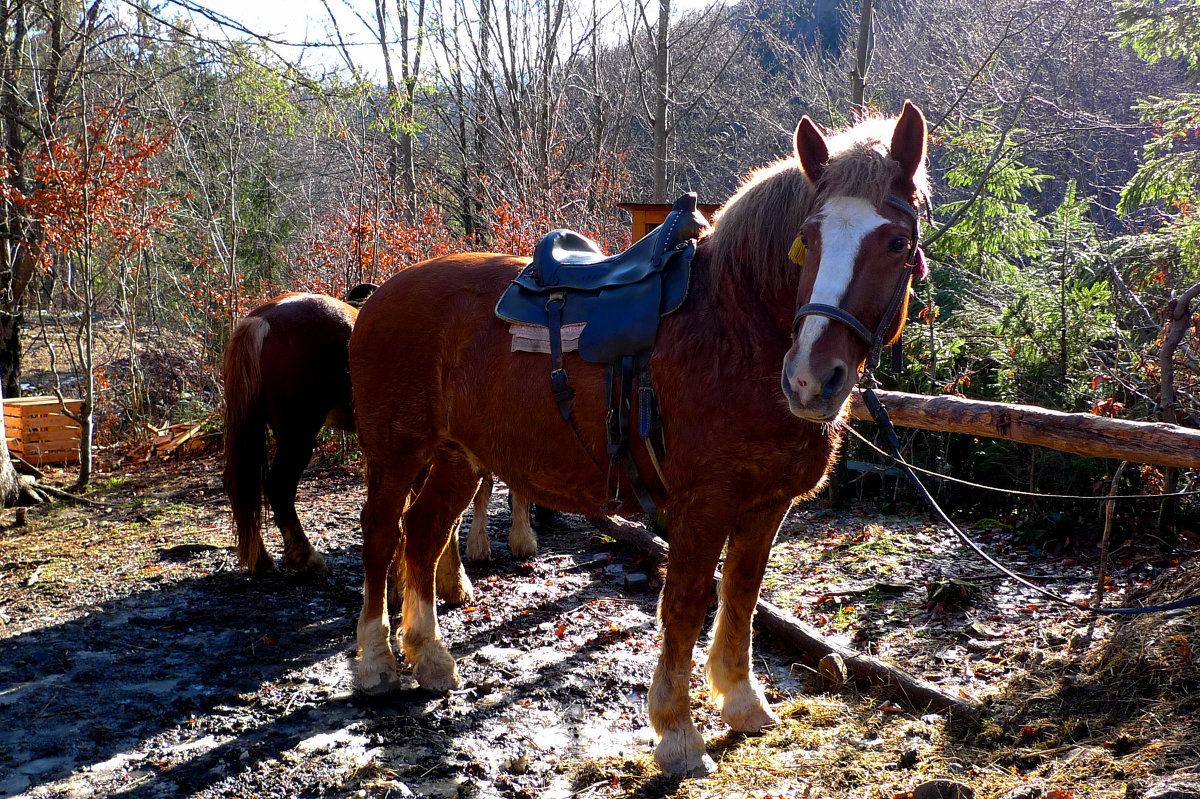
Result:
[[304, 360], [412, 331]]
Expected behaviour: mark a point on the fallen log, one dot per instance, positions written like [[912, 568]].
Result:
[[1158, 443], [921, 695]]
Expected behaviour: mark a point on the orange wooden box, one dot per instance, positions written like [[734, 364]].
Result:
[[39, 432]]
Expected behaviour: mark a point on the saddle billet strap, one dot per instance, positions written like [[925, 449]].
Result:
[[563, 393], [620, 404], [650, 423], [631, 470]]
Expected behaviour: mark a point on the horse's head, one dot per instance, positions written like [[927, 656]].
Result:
[[858, 249]]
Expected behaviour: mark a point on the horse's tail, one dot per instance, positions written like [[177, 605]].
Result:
[[246, 436]]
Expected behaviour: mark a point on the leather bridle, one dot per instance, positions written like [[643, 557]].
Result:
[[874, 340]]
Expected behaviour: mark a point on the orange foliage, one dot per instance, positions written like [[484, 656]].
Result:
[[358, 246], [92, 191]]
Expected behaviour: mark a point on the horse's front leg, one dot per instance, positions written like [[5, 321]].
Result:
[[681, 608], [741, 700]]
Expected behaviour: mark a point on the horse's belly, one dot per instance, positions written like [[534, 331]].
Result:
[[504, 414]]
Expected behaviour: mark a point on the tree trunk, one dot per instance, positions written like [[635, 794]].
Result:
[[10, 486], [862, 62], [1179, 319], [661, 96]]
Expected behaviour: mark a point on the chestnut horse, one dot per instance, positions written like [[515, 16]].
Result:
[[753, 397], [286, 368]]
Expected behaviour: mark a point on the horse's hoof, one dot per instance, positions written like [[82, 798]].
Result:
[[263, 564], [750, 718], [478, 553], [694, 765], [437, 672], [745, 709], [681, 754], [375, 682], [314, 564], [458, 593], [523, 550]]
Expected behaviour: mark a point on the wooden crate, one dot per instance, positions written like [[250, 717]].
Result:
[[39, 432]]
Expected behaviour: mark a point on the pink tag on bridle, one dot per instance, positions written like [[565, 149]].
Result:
[[920, 268]]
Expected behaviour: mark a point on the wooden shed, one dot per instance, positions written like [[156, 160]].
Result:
[[647, 216]]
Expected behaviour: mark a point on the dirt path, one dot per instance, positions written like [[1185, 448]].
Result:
[[136, 660]]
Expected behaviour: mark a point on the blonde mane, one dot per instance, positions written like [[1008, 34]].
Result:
[[756, 227]]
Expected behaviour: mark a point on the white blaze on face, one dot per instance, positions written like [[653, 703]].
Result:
[[845, 222]]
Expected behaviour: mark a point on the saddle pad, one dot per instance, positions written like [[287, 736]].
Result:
[[534, 338]]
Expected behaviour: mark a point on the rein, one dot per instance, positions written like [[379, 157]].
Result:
[[885, 424], [875, 342]]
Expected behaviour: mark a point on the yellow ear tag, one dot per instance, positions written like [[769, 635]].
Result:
[[797, 251]]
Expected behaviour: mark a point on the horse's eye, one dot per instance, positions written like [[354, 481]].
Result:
[[804, 240], [898, 246]]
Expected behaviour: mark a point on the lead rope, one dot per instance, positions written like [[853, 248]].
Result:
[[879, 414]]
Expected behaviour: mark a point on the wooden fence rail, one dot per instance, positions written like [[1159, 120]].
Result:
[[1159, 443]]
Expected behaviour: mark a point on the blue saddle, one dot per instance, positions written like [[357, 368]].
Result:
[[620, 299]]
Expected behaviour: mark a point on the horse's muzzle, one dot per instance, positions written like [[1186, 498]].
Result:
[[820, 399]]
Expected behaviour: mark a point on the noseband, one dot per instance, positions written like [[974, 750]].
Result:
[[874, 341]]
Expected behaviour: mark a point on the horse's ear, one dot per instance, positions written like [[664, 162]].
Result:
[[908, 140], [811, 149]]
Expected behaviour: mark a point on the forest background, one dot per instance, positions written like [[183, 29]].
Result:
[[165, 169]]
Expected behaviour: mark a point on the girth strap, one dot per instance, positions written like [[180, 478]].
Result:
[[563, 393]]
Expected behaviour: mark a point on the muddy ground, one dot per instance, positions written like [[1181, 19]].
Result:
[[137, 660]]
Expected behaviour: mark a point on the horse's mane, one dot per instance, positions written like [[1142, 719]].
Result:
[[756, 227]]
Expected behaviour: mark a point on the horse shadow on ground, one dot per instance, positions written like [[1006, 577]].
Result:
[[96, 686], [194, 686]]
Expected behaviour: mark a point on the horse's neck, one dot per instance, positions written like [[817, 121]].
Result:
[[740, 316]]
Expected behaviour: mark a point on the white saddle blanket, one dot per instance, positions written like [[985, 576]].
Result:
[[532, 338]]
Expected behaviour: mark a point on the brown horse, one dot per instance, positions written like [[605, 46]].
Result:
[[437, 386], [286, 368]]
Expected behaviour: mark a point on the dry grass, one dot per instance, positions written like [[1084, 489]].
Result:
[[1084, 721]]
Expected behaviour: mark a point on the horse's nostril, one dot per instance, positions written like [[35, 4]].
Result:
[[833, 384]]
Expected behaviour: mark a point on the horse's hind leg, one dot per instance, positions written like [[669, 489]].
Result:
[[428, 525], [478, 548], [453, 584], [743, 706], [388, 490], [293, 450], [521, 539]]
